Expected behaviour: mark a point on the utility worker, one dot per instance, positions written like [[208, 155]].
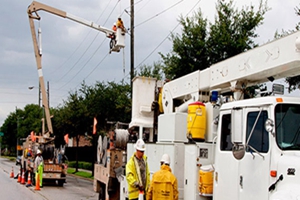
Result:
[[137, 172], [29, 166], [164, 183], [114, 28], [120, 25], [38, 167], [113, 37]]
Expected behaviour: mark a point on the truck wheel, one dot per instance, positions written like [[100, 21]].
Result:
[[60, 182], [101, 193]]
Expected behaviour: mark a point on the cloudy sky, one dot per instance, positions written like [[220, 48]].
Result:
[[73, 53]]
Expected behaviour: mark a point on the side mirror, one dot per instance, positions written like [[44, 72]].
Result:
[[238, 151], [269, 126], [237, 125]]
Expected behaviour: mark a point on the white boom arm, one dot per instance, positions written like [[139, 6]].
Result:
[[32, 14], [274, 60], [36, 6]]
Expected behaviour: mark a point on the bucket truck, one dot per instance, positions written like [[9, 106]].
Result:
[[221, 145], [53, 168]]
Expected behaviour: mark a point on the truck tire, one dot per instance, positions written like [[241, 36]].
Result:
[[60, 182], [101, 193]]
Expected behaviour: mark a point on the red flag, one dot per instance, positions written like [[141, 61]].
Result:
[[66, 138], [32, 136], [94, 128]]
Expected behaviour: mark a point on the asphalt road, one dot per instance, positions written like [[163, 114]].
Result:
[[75, 187]]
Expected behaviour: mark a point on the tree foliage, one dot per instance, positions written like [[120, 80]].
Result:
[[189, 50], [105, 101], [20, 123], [154, 71], [202, 44]]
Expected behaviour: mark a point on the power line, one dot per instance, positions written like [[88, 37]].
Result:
[[158, 14], [96, 67], [87, 50], [85, 63], [140, 64], [88, 61], [77, 48]]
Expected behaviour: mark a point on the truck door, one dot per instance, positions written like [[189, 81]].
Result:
[[226, 166], [254, 166]]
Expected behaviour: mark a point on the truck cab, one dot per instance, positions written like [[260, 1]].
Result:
[[257, 157]]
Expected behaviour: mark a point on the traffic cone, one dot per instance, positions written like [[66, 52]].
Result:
[[12, 173], [141, 195], [29, 179], [23, 177], [37, 182], [19, 176]]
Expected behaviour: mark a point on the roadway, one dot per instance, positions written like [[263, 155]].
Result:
[[74, 188]]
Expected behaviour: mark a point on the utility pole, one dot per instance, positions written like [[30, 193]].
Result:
[[131, 43]]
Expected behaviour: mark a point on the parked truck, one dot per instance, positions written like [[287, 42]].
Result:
[[223, 146], [53, 170], [117, 43], [54, 161], [111, 160]]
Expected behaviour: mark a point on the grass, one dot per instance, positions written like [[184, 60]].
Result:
[[80, 173], [9, 158], [83, 174]]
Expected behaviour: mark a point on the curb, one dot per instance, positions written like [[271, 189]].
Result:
[[81, 170], [88, 179]]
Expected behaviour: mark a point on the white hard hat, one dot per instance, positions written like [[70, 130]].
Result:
[[140, 145], [114, 24], [165, 159], [38, 151]]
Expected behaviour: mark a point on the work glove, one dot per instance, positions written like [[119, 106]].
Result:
[[137, 185], [141, 188]]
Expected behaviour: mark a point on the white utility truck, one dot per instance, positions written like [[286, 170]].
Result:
[[222, 146], [57, 171]]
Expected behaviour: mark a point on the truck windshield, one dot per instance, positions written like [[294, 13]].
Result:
[[287, 122]]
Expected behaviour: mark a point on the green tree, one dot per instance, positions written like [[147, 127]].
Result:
[[103, 101], [59, 126], [19, 124], [75, 120], [106, 102], [189, 50], [202, 44], [154, 71]]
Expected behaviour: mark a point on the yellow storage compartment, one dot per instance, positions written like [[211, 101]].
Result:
[[196, 121], [206, 177]]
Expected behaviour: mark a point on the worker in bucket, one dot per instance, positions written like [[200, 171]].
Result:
[[164, 183], [137, 172], [38, 167], [120, 25]]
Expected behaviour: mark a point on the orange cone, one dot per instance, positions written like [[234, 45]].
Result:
[[23, 177], [12, 173], [19, 176], [37, 182], [29, 179]]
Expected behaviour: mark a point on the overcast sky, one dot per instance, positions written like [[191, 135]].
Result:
[[73, 53]]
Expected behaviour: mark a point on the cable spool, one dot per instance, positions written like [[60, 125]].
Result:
[[121, 138], [99, 149]]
